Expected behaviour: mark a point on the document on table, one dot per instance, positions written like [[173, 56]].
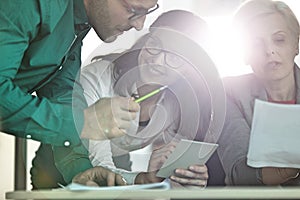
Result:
[[186, 153], [164, 185], [275, 135]]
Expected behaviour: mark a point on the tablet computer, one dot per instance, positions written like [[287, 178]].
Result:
[[186, 153]]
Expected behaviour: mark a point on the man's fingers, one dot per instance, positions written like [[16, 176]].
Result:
[[133, 106], [110, 177], [125, 125], [109, 117], [125, 116], [116, 132], [115, 179], [99, 176], [80, 178], [127, 104], [91, 183]]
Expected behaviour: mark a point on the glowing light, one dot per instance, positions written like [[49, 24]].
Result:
[[224, 48]]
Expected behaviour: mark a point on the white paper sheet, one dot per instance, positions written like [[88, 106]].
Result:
[[275, 135], [186, 153], [162, 185]]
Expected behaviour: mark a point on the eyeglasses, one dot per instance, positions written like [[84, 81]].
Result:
[[137, 13], [154, 48]]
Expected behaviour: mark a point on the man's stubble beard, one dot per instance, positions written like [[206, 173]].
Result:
[[101, 21]]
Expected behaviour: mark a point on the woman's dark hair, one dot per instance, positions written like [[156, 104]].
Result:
[[182, 21], [129, 59]]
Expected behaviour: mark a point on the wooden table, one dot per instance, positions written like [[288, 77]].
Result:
[[208, 193]]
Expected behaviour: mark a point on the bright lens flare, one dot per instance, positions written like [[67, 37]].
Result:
[[225, 48]]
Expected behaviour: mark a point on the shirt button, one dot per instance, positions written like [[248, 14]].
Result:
[[67, 143], [28, 136], [60, 68]]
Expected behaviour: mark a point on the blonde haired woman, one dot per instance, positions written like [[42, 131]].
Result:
[[270, 33]]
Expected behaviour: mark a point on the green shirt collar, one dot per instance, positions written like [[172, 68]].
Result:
[[80, 15]]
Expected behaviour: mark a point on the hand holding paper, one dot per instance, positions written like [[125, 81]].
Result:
[[160, 154], [187, 153], [195, 175]]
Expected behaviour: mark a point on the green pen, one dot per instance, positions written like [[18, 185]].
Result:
[[150, 94]]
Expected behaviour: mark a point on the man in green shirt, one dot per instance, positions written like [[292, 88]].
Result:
[[40, 49]]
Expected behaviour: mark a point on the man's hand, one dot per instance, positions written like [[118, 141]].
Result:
[[99, 176], [109, 118]]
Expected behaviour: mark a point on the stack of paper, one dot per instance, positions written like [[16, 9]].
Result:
[[162, 185]]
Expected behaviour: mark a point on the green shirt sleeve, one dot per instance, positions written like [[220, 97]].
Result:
[[40, 52], [49, 120]]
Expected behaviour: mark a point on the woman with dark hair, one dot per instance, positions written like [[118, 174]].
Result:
[[180, 111]]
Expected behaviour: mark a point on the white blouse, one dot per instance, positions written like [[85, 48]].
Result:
[[171, 120]]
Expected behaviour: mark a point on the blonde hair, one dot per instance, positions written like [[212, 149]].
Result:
[[256, 8]]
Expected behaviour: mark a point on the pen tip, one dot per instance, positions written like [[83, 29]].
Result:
[[163, 87]]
